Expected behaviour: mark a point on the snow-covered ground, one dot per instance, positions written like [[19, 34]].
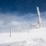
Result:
[[35, 37]]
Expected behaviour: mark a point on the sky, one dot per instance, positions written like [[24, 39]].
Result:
[[19, 14]]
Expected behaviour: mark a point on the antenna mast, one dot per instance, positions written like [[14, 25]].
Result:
[[40, 22]]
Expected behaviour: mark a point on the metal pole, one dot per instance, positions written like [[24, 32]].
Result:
[[10, 31]]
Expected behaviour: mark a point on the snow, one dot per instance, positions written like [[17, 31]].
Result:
[[35, 37]]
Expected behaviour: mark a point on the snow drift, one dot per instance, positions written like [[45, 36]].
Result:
[[35, 37]]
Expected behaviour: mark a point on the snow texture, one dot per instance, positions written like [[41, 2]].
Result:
[[35, 37]]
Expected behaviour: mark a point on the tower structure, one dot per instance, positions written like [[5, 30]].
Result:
[[40, 22]]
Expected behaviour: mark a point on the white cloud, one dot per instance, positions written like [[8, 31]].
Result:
[[1, 22], [16, 22]]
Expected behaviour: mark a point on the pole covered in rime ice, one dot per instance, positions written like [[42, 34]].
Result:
[[10, 31], [39, 18]]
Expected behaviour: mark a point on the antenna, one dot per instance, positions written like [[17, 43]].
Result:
[[39, 18]]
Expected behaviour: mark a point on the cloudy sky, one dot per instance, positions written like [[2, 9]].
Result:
[[19, 14]]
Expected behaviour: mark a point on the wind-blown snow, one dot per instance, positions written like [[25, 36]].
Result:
[[35, 37]]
